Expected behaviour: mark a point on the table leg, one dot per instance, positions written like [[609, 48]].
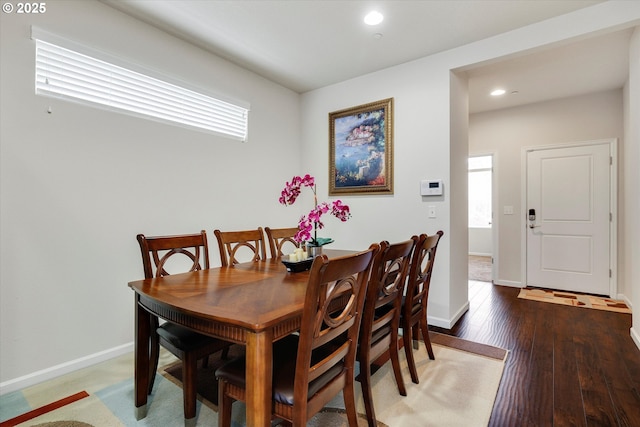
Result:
[[259, 378], [141, 372]]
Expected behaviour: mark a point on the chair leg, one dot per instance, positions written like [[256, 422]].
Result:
[[224, 406], [299, 414], [350, 401], [407, 338], [189, 372], [367, 394], [395, 363], [154, 353], [425, 335]]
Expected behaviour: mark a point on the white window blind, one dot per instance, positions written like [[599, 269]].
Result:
[[64, 73]]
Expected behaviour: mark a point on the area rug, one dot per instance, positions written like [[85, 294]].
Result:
[[574, 299], [63, 424], [457, 388], [480, 268]]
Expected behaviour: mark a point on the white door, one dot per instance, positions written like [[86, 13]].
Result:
[[568, 241]]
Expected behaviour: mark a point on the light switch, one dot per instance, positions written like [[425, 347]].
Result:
[[508, 210], [432, 211]]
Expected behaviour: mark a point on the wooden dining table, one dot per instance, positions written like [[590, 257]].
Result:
[[253, 304]]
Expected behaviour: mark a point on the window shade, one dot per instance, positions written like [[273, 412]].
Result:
[[63, 73]]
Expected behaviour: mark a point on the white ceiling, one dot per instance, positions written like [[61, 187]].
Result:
[[592, 65], [305, 45]]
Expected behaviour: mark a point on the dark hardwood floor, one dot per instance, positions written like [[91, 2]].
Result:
[[567, 366]]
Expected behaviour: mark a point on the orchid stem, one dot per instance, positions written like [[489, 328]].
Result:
[[315, 225]]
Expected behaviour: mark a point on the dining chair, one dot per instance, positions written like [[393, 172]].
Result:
[[413, 317], [280, 237], [187, 252], [249, 243], [381, 317], [312, 367]]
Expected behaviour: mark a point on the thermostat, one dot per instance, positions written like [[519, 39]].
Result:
[[431, 187]]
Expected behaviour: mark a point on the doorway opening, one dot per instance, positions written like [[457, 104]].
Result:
[[481, 218]]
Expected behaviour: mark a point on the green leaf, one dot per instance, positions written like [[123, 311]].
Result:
[[321, 241]]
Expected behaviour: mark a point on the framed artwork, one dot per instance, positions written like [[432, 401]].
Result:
[[361, 149]]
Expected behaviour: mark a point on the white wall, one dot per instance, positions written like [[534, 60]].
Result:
[[631, 195], [429, 106], [421, 151], [507, 131], [77, 186], [480, 239]]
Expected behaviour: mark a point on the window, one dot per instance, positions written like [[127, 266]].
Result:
[[480, 177], [71, 75]]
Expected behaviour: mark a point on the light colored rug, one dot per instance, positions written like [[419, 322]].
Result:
[[64, 424], [573, 299], [480, 268], [458, 388]]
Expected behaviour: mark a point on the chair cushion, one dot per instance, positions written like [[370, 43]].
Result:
[[284, 367], [182, 338]]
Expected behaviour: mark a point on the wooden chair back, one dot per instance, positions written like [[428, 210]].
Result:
[[386, 284], [329, 334], [420, 272], [231, 243], [381, 316], [311, 368], [280, 237], [158, 251], [185, 253], [414, 310]]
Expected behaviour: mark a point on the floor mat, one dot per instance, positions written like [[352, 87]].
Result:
[[574, 299]]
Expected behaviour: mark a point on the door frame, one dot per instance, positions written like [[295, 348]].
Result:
[[613, 207], [495, 218]]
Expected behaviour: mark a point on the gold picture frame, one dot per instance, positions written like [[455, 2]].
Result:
[[361, 149]]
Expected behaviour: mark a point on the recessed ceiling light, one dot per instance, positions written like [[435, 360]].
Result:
[[498, 92], [373, 18]]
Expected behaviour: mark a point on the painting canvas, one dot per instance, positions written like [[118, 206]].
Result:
[[361, 150]]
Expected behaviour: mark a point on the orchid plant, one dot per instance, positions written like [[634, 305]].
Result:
[[312, 220]]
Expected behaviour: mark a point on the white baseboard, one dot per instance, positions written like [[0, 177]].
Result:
[[448, 323], [438, 321], [509, 283], [480, 254], [63, 368], [635, 336]]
